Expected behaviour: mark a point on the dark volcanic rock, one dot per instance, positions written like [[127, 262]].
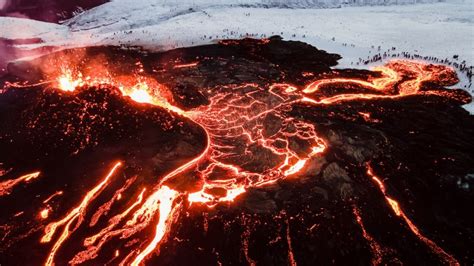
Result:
[[332, 212]]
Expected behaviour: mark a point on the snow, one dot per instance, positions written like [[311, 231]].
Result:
[[21, 28], [436, 29]]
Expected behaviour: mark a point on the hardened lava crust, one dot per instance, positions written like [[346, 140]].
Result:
[[244, 152]]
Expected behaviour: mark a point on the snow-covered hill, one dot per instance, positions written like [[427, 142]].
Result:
[[436, 29], [285, 3]]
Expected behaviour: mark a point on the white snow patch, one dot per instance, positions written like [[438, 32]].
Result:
[[439, 29], [21, 28]]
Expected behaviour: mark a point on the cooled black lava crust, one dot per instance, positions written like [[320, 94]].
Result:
[[422, 146]]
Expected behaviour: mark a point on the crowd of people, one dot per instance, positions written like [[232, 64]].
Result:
[[378, 55], [454, 62]]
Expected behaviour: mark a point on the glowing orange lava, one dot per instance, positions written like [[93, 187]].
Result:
[[398, 78], [193, 64], [291, 256], [235, 122], [166, 210], [44, 213], [7, 186], [74, 215], [399, 212], [141, 96], [139, 89], [374, 246], [57, 193]]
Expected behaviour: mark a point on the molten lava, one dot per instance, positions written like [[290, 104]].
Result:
[[77, 214], [7, 186], [399, 78], [235, 124], [399, 212]]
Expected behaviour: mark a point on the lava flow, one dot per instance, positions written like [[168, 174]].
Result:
[[399, 212], [234, 120], [251, 142], [7, 186]]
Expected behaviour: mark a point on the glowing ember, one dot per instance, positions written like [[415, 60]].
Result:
[[44, 213], [66, 82], [193, 64], [374, 246], [58, 193]]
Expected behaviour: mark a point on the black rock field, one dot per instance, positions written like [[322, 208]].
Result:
[[392, 183]]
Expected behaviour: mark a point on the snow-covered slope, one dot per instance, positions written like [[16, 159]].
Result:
[[21, 28], [437, 29], [281, 3]]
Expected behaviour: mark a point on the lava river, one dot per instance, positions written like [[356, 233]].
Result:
[[250, 142]]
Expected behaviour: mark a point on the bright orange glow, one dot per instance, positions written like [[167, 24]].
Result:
[[67, 84], [44, 213], [389, 76], [113, 222], [399, 212], [7, 186], [57, 193], [141, 96], [394, 205], [295, 168], [139, 89], [167, 197], [393, 77], [291, 256], [374, 246], [235, 123], [104, 235], [209, 199], [193, 64], [72, 216]]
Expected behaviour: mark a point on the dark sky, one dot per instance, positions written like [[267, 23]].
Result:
[[45, 10]]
